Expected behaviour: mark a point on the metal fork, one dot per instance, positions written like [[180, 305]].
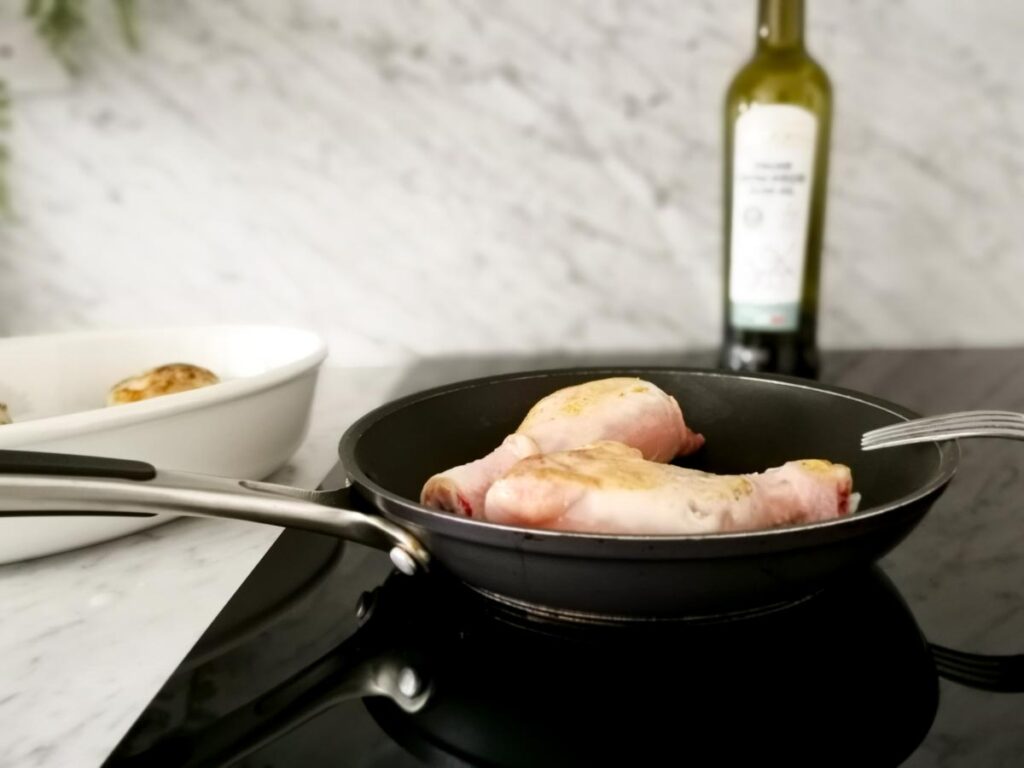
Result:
[[946, 427], [989, 673]]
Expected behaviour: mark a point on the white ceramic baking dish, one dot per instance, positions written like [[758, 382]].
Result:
[[246, 426]]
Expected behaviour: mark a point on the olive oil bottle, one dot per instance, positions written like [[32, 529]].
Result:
[[778, 113]]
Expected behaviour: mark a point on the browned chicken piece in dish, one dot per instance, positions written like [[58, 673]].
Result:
[[627, 410], [610, 488], [164, 380]]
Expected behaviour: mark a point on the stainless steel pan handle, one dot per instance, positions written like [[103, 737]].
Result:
[[34, 484]]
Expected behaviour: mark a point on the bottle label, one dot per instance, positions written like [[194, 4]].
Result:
[[773, 168]]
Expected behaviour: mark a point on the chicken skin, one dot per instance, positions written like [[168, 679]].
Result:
[[630, 411], [462, 489], [611, 488]]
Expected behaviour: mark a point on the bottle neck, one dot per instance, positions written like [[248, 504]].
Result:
[[780, 26]]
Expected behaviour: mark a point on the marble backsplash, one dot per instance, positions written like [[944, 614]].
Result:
[[419, 177]]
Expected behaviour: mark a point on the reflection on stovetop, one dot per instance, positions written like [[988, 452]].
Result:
[[450, 678], [511, 690]]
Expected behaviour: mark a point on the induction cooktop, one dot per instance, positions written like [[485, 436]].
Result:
[[326, 656]]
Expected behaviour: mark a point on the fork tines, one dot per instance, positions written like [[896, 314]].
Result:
[[947, 427]]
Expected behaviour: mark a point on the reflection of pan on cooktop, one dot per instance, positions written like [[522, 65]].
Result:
[[843, 678]]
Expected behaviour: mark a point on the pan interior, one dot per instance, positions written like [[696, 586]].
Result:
[[750, 424]]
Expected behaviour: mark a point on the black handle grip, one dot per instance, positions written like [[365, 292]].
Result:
[[65, 464]]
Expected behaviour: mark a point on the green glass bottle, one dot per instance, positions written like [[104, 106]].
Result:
[[778, 113]]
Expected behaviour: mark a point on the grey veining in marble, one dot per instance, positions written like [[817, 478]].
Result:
[[445, 176], [89, 636]]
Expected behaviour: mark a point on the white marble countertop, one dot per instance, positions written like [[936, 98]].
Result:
[[88, 637]]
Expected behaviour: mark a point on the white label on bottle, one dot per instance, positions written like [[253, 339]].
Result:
[[772, 172]]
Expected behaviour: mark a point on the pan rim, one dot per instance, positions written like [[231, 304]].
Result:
[[948, 453]]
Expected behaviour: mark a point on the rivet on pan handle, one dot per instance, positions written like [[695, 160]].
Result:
[[57, 485]]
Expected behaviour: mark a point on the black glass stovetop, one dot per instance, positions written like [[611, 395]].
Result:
[[326, 657]]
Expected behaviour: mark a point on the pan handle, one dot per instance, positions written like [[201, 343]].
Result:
[[57, 485]]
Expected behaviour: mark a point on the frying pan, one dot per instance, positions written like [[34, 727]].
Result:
[[751, 422]]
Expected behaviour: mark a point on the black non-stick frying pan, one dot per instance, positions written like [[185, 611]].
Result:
[[750, 422]]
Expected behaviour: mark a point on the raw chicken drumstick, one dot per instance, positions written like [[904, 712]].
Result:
[[610, 488], [627, 410]]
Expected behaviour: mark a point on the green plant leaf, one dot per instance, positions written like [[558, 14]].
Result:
[[59, 23], [126, 18]]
